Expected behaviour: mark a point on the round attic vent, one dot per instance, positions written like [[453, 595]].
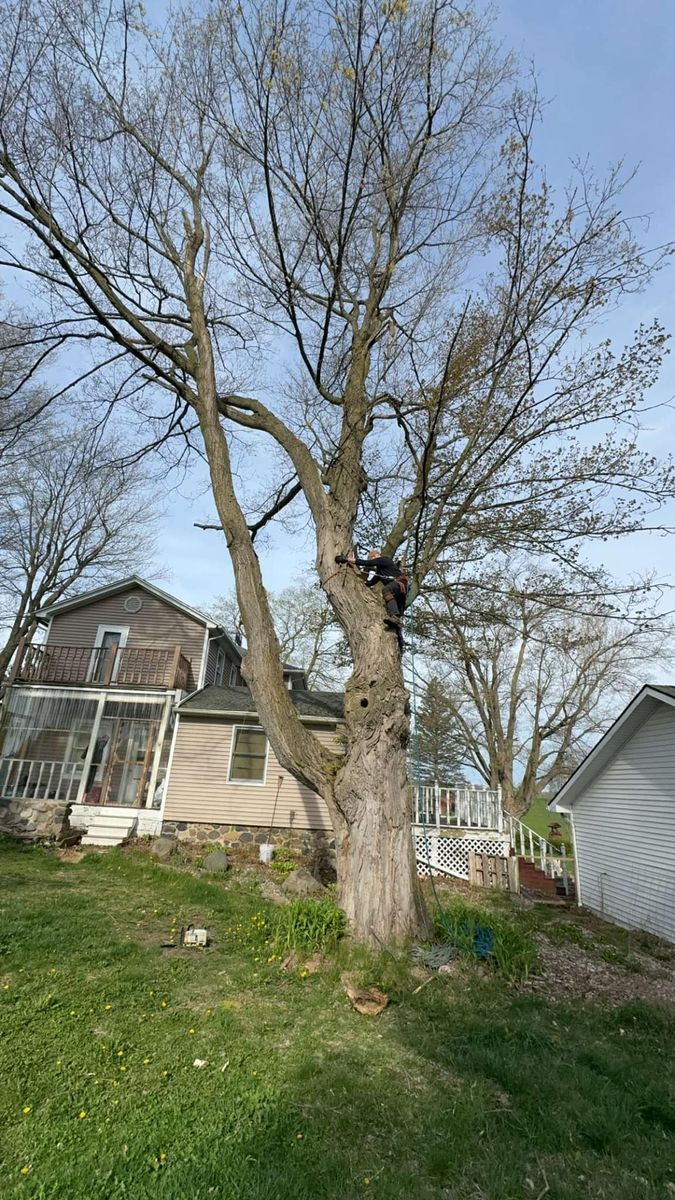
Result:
[[133, 604]]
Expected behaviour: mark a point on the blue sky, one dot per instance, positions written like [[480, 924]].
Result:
[[605, 68]]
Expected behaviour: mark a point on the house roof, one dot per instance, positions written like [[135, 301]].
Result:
[[123, 585], [215, 700], [633, 715]]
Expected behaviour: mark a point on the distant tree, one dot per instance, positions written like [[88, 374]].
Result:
[[535, 671], [70, 518], [436, 747], [306, 631]]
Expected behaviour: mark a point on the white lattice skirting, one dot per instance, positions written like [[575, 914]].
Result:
[[450, 855]]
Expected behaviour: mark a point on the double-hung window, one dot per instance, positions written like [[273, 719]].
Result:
[[248, 763]]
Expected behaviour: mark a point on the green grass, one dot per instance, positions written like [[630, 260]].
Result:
[[464, 1088]]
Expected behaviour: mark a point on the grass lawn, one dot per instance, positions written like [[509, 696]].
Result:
[[464, 1088]]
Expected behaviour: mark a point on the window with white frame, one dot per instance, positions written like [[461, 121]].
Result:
[[248, 763]]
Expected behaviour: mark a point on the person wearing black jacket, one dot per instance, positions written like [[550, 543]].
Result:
[[385, 571]]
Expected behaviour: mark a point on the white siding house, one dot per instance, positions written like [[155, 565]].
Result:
[[621, 804]]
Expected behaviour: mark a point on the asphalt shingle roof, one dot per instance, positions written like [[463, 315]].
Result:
[[215, 699]]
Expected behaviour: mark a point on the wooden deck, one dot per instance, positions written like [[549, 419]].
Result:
[[122, 666]]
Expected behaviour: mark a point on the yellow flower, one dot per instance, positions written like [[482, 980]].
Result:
[[299, 1136], [190, 1030], [162, 1157], [82, 1114], [73, 1013], [115, 1101], [209, 1012], [366, 1180], [26, 1170], [5, 987], [165, 1074], [122, 1068], [115, 1082], [304, 974], [26, 1110], [146, 1061], [108, 1007], [120, 1053], [163, 1004]]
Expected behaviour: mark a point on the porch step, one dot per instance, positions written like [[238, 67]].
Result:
[[108, 829]]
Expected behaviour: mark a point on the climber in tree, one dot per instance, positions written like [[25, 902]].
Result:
[[385, 571]]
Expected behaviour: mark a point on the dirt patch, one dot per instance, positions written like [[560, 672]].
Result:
[[568, 972]]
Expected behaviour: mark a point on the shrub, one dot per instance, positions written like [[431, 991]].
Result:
[[489, 936]]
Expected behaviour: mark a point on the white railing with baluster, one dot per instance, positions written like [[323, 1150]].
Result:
[[460, 807], [39, 779], [536, 849]]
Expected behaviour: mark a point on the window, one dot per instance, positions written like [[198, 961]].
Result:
[[220, 666], [249, 755], [235, 678]]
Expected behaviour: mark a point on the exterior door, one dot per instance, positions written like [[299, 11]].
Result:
[[129, 762]]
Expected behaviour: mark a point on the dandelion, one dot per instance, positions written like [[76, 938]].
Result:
[[191, 1031], [146, 1061], [108, 1007], [26, 1170], [162, 1157], [73, 1013], [26, 1109], [304, 974], [122, 1068], [115, 1082], [366, 1180], [120, 1053], [5, 987], [165, 1074], [115, 1101], [163, 1003], [299, 1136], [209, 1012], [82, 1114]]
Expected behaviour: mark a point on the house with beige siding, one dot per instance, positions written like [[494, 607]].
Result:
[[621, 805], [132, 713]]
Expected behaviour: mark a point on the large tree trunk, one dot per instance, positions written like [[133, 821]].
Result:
[[378, 887]]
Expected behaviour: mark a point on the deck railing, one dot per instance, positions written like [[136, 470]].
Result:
[[118, 666], [461, 807], [33, 779]]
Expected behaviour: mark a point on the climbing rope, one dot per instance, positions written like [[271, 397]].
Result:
[[417, 756]]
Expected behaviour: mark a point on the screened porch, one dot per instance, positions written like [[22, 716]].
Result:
[[85, 749]]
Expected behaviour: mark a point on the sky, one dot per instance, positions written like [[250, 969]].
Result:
[[605, 71]]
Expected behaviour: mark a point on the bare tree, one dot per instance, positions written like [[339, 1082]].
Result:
[[306, 631], [541, 672], [355, 187], [69, 519]]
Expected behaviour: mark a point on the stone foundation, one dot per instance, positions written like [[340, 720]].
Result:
[[316, 846], [33, 820]]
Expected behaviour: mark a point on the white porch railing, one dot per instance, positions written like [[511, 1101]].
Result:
[[465, 807], [38, 779], [534, 848]]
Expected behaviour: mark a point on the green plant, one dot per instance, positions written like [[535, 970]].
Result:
[[283, 862], [488, 935], [308, 925]]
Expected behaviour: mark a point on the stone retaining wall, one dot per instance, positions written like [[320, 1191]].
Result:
[[315, 846], [32, 820]]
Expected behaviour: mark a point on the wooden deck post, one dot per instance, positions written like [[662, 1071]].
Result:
[[175, 663]]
